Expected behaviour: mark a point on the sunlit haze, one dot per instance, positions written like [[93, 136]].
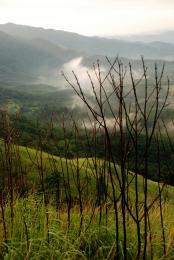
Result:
[[91, 17]]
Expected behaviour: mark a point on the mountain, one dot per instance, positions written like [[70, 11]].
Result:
[[36, 55], [30, 60], [92, 45], [166, 37]]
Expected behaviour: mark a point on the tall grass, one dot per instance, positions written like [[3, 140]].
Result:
[[29, 238]]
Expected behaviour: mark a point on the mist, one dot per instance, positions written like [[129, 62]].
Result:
[[81, 71]]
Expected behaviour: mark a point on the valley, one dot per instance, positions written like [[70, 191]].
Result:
[[86, 145]]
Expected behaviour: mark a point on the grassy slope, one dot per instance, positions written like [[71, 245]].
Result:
[[28, 239], [31, 161]]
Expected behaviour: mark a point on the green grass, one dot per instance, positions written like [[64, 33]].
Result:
[[30, 162], [28, 239], [34, 221]]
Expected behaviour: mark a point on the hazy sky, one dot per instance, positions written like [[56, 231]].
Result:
[[91, 17]]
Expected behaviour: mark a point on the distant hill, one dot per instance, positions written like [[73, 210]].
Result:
[[166, 37], [92, 45], [30, 60], [36, 55]]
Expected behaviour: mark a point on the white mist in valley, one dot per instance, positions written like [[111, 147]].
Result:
[[82, 72]]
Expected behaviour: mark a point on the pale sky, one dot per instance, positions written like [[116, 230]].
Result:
[[91, 17]]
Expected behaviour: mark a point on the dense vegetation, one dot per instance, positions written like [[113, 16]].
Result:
[[56, 208], [74, 180]]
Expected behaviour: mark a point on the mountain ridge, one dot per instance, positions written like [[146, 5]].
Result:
[[92, 45], [36, 55]]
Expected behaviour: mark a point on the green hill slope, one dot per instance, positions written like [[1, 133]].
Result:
[[36, 167], [79, 225]]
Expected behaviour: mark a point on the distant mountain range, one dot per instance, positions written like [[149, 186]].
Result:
[[24, 60], [95, 45], [167, 37], [29, 54]]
